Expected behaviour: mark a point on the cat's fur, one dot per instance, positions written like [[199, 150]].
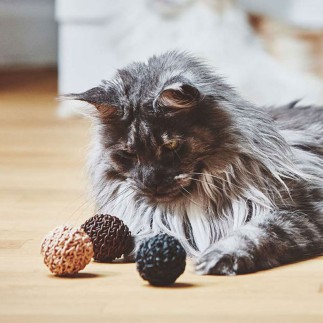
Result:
[[242, 190]]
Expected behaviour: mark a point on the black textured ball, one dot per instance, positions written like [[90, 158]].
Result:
[[161, 260], [110, 237]]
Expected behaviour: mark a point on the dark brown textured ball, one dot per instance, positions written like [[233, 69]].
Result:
[[110, 237]]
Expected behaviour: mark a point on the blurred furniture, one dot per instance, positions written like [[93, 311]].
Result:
[[98, 36], [83, 44], [28, 33]]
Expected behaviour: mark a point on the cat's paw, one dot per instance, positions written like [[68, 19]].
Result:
[[217, 263]]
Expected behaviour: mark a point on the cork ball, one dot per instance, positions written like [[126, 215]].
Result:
[[66, 250], [161, 260], [111, 238]]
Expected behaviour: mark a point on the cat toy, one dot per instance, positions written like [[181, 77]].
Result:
[[67, 250], [161, 260], [111, 238]]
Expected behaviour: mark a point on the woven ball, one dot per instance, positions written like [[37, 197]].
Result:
[[66, 250], [161, 260], [111, 238]]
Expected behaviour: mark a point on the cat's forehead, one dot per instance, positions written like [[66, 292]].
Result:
[[140, 83], [152, 134], [140, 134]]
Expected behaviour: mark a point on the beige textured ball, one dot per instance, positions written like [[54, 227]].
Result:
[[66, 250]]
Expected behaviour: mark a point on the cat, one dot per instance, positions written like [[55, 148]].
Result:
[[176, 150]]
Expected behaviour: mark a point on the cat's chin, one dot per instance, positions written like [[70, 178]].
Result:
[[164, 198]]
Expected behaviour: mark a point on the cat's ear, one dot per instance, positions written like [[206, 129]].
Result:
[[96, 96], [179, 96]]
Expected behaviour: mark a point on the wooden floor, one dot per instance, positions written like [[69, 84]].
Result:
[[42, 185]]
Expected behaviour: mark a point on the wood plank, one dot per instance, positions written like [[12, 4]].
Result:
[[12, 244]]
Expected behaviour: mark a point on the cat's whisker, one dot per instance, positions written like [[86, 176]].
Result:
[[187, 196], [86, 204], [206, 182], [177, 154], [124, 191], [219, 178]]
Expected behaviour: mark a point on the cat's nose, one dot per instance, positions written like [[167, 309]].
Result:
[[162, 185], [159, 183], [157, 179]]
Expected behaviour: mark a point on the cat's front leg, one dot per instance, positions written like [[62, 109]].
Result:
[[278, 239], [230, 256]]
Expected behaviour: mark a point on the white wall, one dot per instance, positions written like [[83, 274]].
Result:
[[85, 53], [28, 33], [301, 13]]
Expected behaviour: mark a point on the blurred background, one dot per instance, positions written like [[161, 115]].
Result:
[[271, 51]]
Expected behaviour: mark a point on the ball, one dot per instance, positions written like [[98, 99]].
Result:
[[161, 260], [111, 238], [66, 250]]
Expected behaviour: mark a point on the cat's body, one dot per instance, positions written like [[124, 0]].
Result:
[[176, 150]]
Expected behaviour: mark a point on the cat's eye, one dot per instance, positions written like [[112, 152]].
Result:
[[172, 144], [127, 154]]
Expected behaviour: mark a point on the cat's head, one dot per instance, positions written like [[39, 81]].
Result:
[[161, 124]]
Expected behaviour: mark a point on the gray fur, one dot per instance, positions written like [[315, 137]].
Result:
[[256, 200]]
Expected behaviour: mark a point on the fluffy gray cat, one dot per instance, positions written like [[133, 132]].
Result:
[[177, 150]]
